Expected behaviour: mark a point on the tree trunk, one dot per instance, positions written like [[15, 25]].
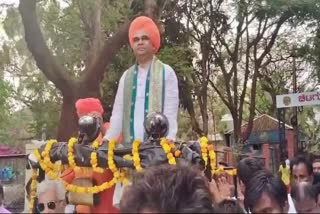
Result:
[[89, 83], [68, 124]]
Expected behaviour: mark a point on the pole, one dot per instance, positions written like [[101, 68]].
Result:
[[294, 120]]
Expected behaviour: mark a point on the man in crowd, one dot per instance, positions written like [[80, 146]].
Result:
[[301, 170], [247, 167], [266, 194], [284, 173], [305, 198], [146, 87], [316, 165], [168, 189], [51, 197]]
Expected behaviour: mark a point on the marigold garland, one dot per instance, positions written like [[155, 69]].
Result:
[[93, 158], [92, 190], [170, 150], [50, 172], [111, 165], [204, 150], [167, 149], [123, 177], [212, 156], [177, 153], [33, 189], [46, 156], [71, 160], [135, 154]]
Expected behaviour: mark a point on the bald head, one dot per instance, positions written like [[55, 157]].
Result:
[[304, 196], [303, 190]]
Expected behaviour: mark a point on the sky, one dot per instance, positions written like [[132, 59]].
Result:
[[9, 2]]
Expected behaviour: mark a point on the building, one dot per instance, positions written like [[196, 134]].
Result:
[[263, 141]]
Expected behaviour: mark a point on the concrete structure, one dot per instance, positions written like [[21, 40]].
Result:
[[263, 141]]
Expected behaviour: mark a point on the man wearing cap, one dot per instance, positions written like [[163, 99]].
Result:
[[93, 107], [147, 86]]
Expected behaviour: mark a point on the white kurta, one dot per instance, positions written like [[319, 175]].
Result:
[[171, 105]]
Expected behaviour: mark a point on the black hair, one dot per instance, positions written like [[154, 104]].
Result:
[[302, 159], [247, 167], [228, 206], [264, 182], [303, 190], [168, 189]]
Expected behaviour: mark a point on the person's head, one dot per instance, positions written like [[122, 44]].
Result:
[[301, 170], [144, 37], [91, 107], [168, 189], [283, 163], [51, 196], [246, 168], [304, 196], [266, 194], [228, 206], [316, 165]]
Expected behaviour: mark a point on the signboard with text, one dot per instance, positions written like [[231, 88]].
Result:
[[298, 99]]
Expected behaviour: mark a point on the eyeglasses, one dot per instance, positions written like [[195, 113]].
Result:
[[51, 205]]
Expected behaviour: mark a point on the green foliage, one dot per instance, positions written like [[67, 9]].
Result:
[[5, 90], [309, 124], [65, 33]]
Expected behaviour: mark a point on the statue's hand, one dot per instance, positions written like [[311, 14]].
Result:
[[32, 160]]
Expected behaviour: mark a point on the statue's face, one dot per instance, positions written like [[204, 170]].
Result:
[[96, 115]]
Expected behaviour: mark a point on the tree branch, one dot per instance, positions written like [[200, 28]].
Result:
[[282, 19], [220, 94], [95, 73], [40, 51]]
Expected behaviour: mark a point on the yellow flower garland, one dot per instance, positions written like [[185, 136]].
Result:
[[33, 189], [204, 150], [71, 161], [50, 172], [177, 153], [46, 156], [167, 149], [123, 177], [52, 169], [111, 165], [212, 156], [94, 160], [135, 154], [92, 190]]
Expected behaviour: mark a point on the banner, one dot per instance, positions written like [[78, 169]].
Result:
[[298, 99]]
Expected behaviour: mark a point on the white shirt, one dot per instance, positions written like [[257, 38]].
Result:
[[292, 208], [171, 105]]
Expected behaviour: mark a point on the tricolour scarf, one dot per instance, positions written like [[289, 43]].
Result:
[[154, 96]]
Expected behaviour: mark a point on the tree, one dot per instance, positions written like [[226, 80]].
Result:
[[4, 110], [96, 55], [228, 46]]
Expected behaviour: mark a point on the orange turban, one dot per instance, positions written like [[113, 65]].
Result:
[[146, 24], [88, 105]]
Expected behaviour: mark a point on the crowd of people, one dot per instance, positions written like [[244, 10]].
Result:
[[184, 188]]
